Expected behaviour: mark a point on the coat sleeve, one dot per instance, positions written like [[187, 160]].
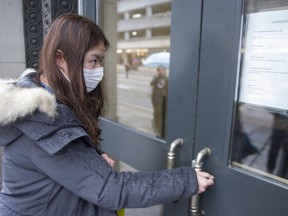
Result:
[[80, 169]]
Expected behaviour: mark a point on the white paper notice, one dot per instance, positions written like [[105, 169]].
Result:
[[264, 78]]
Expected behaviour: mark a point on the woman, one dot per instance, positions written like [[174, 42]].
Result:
[[53, 163]]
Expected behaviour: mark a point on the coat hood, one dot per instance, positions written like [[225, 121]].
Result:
[[19, 99], [27, 108]]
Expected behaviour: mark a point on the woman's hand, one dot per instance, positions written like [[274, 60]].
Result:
[[204, 181], [108, 159]]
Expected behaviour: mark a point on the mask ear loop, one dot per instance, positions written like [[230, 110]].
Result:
[[61, 70], [60, 61]]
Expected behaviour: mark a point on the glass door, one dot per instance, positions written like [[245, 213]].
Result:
[[242, 106], [150, 85]]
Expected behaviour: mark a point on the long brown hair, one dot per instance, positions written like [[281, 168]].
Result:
[[74, 35]]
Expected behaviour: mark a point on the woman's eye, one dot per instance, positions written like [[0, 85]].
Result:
[[94, 62]]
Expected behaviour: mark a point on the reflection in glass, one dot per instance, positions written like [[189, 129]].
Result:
[[143, 45], [279, 145], [260, 141], [159, 100], [260, 136], [137, 70]]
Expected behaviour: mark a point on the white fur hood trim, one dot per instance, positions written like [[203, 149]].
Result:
[[17, 102]]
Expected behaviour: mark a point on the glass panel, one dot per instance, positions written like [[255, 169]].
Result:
[[135, 90], [260, 139], [140, 67]]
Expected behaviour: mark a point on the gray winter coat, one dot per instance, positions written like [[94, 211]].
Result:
[[51, 168]]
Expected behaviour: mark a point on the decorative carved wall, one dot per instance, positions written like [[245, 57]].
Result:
[[38, 16], [32, 31], [46, 15], [61, 7]]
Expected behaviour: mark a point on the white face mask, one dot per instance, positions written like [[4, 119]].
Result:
[[93, 77]]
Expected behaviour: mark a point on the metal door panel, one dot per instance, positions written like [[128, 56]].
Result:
[[236, 192]]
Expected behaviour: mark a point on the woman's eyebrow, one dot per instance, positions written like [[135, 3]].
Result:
[[97, 56]]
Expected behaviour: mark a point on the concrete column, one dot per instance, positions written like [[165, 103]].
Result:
[[148, 32], [110, 80], [126, 36], [126, 15], [149, 11]]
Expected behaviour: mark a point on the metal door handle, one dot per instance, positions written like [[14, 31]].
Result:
[[171, 154], [197, 165]]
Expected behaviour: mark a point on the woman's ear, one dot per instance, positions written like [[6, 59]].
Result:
[[59, 58]]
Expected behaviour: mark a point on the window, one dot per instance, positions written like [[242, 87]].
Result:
[[260, 136]]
